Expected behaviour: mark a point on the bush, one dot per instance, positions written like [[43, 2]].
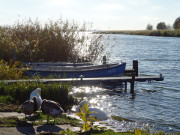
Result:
[[11, 70], [59, 40]]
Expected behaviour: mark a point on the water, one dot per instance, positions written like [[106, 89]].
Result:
[[156, 104]]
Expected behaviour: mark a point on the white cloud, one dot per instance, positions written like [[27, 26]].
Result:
[[58, 2], [156, 8], [137, 2], [148, 18], [110, 7]]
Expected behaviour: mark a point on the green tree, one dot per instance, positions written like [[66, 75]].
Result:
[[161, 26], [176, 24], [149, 27]]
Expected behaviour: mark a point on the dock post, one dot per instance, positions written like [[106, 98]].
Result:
[[135, 66], [132, 83], [104, 60], [125, 86]]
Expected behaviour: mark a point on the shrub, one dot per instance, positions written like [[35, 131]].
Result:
[[11, 70], [59, 40]]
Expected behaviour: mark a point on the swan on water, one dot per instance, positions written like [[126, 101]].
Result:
[[100, 115]]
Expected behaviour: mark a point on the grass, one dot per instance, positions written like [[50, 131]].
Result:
[[17, 93], [39, 119], [120, 118], [164, 33]]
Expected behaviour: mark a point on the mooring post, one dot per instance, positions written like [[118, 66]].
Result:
[[125, 86], [104, 60], [135, 66], [132, 82]]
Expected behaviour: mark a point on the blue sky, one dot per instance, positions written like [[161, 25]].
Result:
[[103, 14]]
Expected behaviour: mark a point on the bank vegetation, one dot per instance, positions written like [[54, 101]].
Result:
[[163, 33]]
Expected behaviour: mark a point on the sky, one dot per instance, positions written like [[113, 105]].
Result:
[[102, 14]]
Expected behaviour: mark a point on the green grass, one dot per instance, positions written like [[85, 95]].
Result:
[[121, 118], [106, 132], [39, 119], [17, 93]]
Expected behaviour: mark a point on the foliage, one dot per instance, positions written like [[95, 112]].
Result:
[[161, 26], [68, 132], [85, 116], [60, 40], [176, 24], [167, 33], [20, 92], [149, 27], [11, 70], [120, 118]]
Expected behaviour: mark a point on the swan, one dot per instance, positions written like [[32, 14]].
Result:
[[51, 108], [29, 106], [37, 93], [100, 115]]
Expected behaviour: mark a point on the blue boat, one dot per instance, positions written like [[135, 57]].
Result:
[[105, 70]]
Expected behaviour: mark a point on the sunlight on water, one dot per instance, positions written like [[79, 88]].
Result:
[[102, 99], [155, 104]]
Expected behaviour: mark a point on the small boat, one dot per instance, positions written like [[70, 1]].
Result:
[[37, 64], [87, 71]]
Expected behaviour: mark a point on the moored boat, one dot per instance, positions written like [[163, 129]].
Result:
[[105, 70]]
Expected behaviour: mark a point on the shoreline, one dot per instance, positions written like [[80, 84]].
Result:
[[162, 33]]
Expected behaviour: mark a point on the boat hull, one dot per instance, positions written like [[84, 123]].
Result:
[[116, 70]]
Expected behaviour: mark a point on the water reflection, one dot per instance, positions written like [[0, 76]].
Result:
[[112, 103]]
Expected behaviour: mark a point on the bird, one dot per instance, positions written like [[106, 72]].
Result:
[[51, 108], [98, 114], [37, 93], [29, 106]]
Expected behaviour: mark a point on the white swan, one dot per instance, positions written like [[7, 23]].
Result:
[[100, 115], [37, 93]]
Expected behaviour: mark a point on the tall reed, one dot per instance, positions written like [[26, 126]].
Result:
[[60, 40]]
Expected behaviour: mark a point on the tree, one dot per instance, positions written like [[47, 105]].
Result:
[[149, 27], [161, 26], [176, 24]]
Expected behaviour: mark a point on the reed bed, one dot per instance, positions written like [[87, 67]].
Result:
[[59, 40], [164, 33]]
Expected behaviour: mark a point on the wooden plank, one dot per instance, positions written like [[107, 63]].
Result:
[[99, 79]]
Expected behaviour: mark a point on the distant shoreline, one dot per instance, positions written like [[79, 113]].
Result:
[[163, 33]]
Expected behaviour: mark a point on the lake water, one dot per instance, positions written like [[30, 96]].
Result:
[[156, 104]]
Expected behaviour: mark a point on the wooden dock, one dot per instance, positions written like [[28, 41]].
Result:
[[131, 76], [95, 81]]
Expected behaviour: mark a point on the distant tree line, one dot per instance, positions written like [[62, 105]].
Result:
[[163, 26]]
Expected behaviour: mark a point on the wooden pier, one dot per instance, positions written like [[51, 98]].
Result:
[[95, 81], [131, 77]]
